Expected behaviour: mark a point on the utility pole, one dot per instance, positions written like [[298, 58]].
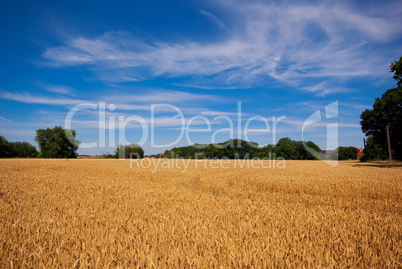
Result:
[[389, 146]]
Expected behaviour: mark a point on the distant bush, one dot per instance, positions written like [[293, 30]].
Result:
[[345, 153], [132, 151]]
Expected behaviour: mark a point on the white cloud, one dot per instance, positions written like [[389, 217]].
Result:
[[274, 42], [59, 89], [4, 119], [157, 122], [162, 96], [62, 89], [299, 124], [64, 56], [31, 99], [124, 102], [17, 132], [188, 103], [217, 113], [323, 88], [213, 18]]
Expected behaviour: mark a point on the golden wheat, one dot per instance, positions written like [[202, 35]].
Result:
[[101, 213]]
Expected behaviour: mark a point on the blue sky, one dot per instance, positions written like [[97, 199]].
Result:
[[275, 58]]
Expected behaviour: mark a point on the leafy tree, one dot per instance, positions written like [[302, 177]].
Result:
[[301, 151], [373, 151], [236, 148], [57, 143], [396, 68], [168, 154], [387, 110], [132, 151], [345, 153], [5, 150], [267, 151], [23, 150], [16, 149], [286, 148]]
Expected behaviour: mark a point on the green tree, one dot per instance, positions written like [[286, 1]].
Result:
[[387, 110], [23, 150], [396, 68], [237, 149], [132, 151], [168, 154], [345, 153], [16, 149], [302, 153], [373, 151], [267, 151], [286, 148], [57, 143], [5, 151]]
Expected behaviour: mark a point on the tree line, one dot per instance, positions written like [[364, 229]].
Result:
[[286, 148], [60, 143]]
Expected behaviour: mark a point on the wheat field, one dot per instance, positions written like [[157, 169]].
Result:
[[115, 214]]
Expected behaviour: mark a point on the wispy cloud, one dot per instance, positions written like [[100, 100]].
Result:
[[61, 89], [165, 96], [4, 119], [294, 44], [218, 113], [32, 99], [186, 102], [213, 18], [299, 124], [17, 132], [323, 88]]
